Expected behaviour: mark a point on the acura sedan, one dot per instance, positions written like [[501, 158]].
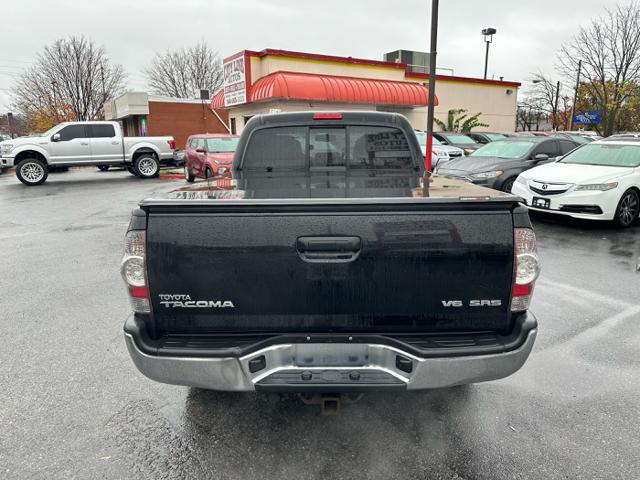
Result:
[[598, 181]]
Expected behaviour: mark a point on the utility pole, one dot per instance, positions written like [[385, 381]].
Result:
[[9, 117], [575, 95], [104, 90], [432, 82], [55, 101], [555, 107]]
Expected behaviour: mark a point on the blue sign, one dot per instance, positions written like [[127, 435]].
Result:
[[587, 117]]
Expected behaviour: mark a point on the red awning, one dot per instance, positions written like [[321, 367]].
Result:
[[329, 88]]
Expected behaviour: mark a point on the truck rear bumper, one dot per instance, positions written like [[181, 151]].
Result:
[[331, 366]]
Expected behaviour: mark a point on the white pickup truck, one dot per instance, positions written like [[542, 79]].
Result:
[[84, 143]]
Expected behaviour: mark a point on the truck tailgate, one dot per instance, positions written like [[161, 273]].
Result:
[[260, 266]]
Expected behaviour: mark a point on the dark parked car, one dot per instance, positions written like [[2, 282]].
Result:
[[497, 164], [575, 136], [532, 133], [330, 269], [460, 140], [487, 137]]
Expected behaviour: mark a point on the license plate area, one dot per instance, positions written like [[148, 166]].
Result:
[[539, 202], [330, 355]]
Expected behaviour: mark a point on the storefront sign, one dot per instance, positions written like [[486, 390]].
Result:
[[587, 117], [235, 82]]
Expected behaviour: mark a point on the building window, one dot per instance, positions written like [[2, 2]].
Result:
[[233, 125], [247, 118]]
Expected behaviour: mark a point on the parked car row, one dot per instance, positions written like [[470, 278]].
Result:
[[598, 180], [570, 173], [440, 153]]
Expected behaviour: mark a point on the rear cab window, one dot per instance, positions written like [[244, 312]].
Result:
[[101, 131], [354, 147]]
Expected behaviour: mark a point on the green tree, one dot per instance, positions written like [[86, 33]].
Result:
[[459, 121], [628, 112]]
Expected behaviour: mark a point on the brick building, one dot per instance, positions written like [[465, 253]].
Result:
[[141, 114]]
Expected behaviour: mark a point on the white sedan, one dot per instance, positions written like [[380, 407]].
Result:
[[598, 181], [440, 154]]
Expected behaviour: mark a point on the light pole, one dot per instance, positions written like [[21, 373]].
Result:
[[432, 82], [488, 38], [554, 103]]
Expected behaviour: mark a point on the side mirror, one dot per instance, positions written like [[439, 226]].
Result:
[[541, 157], [56, 137], [200, 150]]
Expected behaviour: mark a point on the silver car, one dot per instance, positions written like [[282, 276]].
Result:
[[440, 154]]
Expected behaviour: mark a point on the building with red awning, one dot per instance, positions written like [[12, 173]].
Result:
[[272, 81]]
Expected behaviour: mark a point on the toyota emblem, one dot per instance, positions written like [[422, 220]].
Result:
[[545, 186]]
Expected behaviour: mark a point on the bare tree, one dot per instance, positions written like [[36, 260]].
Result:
[[547, 96], [182, 73], [609, 48], [71, 80]]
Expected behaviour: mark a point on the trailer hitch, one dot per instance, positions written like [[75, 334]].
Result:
[[329, 402]]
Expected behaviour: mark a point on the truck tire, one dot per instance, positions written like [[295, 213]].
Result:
[[147, 166], [190, 177], [103, 168], [208, 173], [32, 171], [131, 170], [628, 209]]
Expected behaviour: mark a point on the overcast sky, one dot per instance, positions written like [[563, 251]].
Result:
[[529, 33]]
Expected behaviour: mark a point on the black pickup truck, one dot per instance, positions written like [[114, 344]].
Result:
[[330, 262]]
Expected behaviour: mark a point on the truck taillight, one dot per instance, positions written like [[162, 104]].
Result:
[[172, 144], [526, 268], [134, 271], [327, 116]]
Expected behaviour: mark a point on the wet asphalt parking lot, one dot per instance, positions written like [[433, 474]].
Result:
[[72, 404]]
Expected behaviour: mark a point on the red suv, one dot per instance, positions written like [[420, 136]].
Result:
[[209, 155]]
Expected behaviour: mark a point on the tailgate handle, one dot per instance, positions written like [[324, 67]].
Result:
[[329, 249]]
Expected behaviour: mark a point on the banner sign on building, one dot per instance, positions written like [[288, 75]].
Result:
[[587, 117], [235, 82]]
